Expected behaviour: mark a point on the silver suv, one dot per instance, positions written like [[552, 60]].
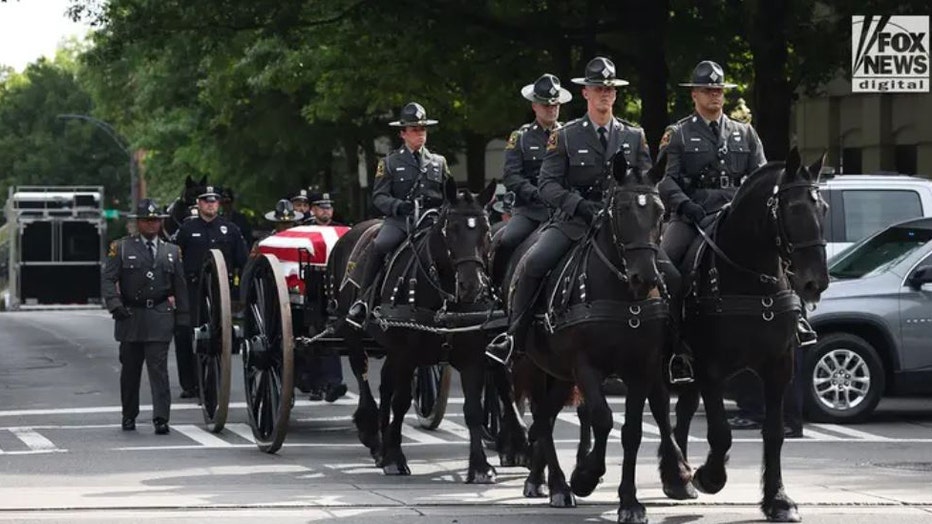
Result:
[[863, 204], [874, 324]]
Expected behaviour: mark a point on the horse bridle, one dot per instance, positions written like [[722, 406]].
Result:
[[482, 262], [784, 244], [621, 247]]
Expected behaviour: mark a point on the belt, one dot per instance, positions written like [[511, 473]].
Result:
[[717, 181], [147, 303]]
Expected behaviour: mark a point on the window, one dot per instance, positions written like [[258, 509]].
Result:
[[880, 252], [906, 159], [851, 161], [873, 210]]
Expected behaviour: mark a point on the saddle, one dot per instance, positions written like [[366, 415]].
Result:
[[359, 256]]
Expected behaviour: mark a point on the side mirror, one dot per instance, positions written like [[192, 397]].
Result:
[[922, 275]]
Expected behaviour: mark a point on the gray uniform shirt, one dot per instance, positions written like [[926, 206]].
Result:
[[577, 167], [132, 276], [524, 154], [400, 177], [692, 149]]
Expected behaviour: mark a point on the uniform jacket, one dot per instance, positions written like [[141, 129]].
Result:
[[576, 167], [196, 237], [524, 154], [691, 147], [399, 177], [131, 276]]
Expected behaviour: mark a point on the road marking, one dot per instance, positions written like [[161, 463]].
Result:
[[574, 420], [243, 431], [847, 431], [455, 429], [809, 433], [34, 440], [419, 435], [202, 437]]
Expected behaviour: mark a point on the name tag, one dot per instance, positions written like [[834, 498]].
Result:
[[399, 169], [195, 234], [131, 257], [534, 148], [696, 139], [583, 151]]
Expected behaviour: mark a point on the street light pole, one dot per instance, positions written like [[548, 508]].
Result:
[[115, 136]]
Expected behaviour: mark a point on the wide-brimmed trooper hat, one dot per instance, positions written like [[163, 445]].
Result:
[[708, 74], [209, 193], [546, 90], [600, 71], [147, 208], [284, 212], [413, 115]]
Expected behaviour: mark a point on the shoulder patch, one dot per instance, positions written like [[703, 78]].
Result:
[[113, 248], [512, 140], [552, 141], [665, 139], [380, 170]]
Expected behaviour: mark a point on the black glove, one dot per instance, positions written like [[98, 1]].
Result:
[[692, 211], [405, 208], [588, 209], [121, 313]]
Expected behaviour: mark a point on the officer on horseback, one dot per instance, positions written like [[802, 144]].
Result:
[[576, 166], [524, 153], [410, 173], [708, 155]]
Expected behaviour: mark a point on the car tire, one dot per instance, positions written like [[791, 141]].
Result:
[[844, 379]]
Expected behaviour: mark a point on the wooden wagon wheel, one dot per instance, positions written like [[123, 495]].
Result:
[[431, 389], [213, 340], [268, 353]]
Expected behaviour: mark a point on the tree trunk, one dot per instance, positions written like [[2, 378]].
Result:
[[652, 70], [773, 95], [475, 160]]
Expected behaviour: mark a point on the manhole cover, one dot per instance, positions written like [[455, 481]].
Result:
[[906, 466]]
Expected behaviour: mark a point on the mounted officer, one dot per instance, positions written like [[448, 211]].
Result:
[[196, 238], [524, 153], [576, 167], [409, 174], [145, 292]]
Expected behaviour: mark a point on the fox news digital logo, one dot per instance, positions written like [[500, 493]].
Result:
[[890, 54]]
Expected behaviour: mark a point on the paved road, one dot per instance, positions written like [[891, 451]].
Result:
[[63, 457]]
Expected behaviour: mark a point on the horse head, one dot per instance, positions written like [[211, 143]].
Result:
[[465, 232], [191, 190], [635, 214], [798, 209]]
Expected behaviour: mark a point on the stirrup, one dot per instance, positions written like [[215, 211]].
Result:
[[494, 348], [805, 335], [352, 319], [687, 367]]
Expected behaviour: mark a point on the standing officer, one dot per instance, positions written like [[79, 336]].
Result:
[[524, 153], [144, 289], [196, 238], [321, 210], [572, 177], [301, 204], [409, 173]]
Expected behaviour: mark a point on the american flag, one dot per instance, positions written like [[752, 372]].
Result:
[[317, 240]]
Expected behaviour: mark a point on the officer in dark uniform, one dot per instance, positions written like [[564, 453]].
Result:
[[144, 289], [284, 216], [196, 238], [321, 209], [576, 167], [524, 153], [301, 205], [408, 174]]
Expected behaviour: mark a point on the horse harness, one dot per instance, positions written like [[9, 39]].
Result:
[[766, 306]]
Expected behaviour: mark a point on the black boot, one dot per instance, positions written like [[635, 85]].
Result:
[[804, 332], [502, 348], [359, 311]]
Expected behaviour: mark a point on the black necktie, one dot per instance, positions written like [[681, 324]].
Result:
[[151, 246], [713, 125], [603, 138], [417, 156]]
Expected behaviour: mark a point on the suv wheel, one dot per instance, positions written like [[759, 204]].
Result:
[[844, 379]]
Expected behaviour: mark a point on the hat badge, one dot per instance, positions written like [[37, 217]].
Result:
[[714, 76], [326, 196], [210, 189], [419, 113], [151, 208], [553, 90]]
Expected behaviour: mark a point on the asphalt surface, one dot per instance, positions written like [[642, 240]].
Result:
[[63, 457]]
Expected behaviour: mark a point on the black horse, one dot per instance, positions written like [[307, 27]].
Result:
[[606, 313], [441, 269], [741, 311], [178, 209]]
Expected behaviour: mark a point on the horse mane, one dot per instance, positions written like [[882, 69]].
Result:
[[766, 175]]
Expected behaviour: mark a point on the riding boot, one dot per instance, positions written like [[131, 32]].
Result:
[[680, 368], [501, 348], [804, 332], [359, 311]]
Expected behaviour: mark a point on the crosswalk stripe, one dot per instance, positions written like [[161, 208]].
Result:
[[419, 435], [574, 420], [453, 428], [202, 437], [817, 435], [847, 431], [242, 431], [34, 440]]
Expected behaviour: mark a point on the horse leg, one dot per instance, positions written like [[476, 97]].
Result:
[[385, 409], [473, 378], [366, 416], [589, 470], [711, 476], [630, 509], [585, 432], [776, 504], [394, 461], [534, 483], [560, 494], [675, 472], [686, 405], [513, 448]]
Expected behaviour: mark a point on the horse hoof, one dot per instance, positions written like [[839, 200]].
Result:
[[780, 511], [534, 491], [707, 485], [508, 461], [481, 477], [584, 483], [396, 469], [563, 499], [636, 514], [680, 491]]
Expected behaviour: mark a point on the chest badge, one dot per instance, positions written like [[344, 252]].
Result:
[[223, 229], [642, 200], [150, 275], [171, 259]]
